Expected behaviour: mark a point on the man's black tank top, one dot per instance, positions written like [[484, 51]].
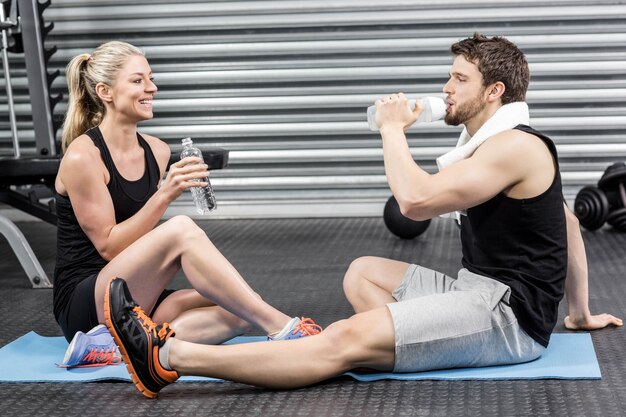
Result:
[[77, 257], [523, 244]]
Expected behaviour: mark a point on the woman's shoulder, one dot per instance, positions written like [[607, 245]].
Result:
[[80, 160], [81, 151]]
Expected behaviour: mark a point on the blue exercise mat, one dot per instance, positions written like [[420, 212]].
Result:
[[32, 358]]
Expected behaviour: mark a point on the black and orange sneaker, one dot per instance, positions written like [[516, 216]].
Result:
[[138, 338]]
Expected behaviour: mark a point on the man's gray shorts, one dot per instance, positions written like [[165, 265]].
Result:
[[441, 322]]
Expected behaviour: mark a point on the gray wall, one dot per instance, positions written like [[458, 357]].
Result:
[[284, 85]]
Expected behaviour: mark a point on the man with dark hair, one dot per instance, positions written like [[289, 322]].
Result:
[[502, 306], [498, 59]]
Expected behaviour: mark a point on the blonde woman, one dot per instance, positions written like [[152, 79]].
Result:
[[109, 203]]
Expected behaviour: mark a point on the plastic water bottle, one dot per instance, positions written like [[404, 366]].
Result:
[[203, 197], [433, 108]]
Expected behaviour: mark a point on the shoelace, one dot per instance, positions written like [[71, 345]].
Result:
[[308, 327], [100, 357], [164, 331], [145, 319], [151, 326]]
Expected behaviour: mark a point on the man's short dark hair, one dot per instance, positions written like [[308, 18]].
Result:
[[498, 59]]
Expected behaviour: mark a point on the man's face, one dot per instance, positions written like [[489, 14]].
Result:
[[465, 92]]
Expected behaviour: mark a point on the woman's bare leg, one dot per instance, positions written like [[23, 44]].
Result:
[[370, 280], [149, 264], [196, 319]]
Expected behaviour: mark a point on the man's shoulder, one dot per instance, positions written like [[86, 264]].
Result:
[[513, 142], [518, 152]]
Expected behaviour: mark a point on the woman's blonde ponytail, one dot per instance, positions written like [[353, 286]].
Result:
[[77, 108]]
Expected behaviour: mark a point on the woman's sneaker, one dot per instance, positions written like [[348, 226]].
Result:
[[138, 338], [297, 328], [94, 348]]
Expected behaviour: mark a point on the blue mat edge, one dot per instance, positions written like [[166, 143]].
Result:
[[367, 377]]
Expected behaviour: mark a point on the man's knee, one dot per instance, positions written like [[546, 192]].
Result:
[[362, 340], [355, 275], [341, 339]]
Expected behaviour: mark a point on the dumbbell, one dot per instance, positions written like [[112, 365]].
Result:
[[613, 183], [617, 219], [591, 206], [399, 225], [607, 202]]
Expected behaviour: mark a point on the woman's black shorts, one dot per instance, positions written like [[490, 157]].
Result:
[[80, 313]]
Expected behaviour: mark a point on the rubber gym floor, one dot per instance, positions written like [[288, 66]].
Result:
[[298, 265]]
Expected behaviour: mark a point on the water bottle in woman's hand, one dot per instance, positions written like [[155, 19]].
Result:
[[203, 197]]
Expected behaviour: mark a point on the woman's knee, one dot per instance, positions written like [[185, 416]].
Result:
[[182, 228]]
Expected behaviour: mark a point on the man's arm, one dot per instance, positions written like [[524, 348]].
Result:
[[495, 167], [576, 283]]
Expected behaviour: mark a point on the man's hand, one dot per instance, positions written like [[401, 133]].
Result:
[[393, 112], [592, 322]]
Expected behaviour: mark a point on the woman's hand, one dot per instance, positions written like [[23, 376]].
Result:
[[182, 175]]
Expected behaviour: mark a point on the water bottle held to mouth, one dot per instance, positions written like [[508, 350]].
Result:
[[433, 109]]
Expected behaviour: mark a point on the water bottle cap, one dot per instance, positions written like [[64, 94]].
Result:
[[187, 141]]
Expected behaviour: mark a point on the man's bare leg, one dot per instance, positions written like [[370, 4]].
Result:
[[364, 340]]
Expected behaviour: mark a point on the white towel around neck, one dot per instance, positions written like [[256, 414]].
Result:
[[505, 118]]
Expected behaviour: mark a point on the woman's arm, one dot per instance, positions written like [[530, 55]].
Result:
[[83, 177]]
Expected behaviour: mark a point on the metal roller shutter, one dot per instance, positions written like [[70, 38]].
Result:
[[284, 86]]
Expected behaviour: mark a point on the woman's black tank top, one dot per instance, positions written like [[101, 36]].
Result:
[[77, 257]]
